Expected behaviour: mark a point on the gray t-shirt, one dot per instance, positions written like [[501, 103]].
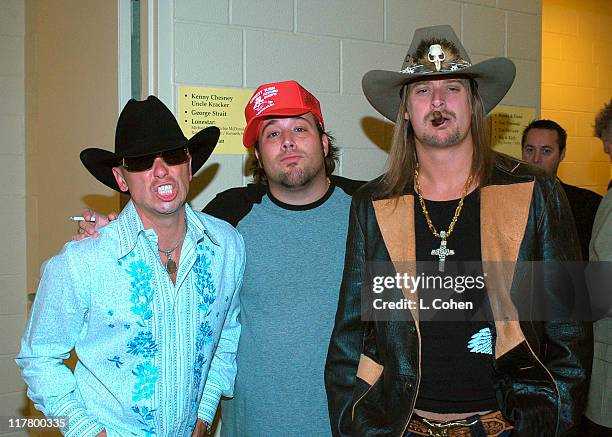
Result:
[[295, 257]]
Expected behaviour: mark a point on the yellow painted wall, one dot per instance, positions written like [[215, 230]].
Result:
[[71, 100], [576, 81], [71, 103]]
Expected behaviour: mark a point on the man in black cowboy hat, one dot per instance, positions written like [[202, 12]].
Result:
[[454, 354], [150, 307]]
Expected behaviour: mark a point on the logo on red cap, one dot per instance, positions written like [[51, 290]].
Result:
[[280, 99], [262, 99]]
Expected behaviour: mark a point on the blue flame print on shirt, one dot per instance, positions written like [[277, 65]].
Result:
[[481, 342]]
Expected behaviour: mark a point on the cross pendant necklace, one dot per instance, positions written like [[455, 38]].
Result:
[[442, 252]]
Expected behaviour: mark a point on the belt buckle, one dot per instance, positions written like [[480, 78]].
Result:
[[436, 429], [442, 429]]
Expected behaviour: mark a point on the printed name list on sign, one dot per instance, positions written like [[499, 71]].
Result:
[[222, 107], [507, 125]]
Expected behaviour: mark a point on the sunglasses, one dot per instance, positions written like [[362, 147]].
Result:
[[143, 163]]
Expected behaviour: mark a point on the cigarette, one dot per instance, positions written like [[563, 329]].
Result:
[[80, 218]]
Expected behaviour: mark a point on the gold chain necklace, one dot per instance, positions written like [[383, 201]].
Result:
[[442, 252]]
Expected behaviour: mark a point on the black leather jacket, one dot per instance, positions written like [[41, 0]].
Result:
[[541, 369]]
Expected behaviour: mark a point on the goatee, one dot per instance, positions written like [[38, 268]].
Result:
[[296, 177], [435, 140]]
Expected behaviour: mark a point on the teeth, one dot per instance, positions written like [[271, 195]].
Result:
[[165, 190]]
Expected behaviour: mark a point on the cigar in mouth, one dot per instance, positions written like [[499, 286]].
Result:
[[437, 119]]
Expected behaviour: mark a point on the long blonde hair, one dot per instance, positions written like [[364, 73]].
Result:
[[403, 159]]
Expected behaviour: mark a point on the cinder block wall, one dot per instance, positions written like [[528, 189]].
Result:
[[12, 199], [576, 81], [328, 46]]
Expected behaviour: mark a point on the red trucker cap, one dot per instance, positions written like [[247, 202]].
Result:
[[278, 99]]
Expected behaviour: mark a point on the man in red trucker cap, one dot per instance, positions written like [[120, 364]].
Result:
[[292, 150], [294, 220]]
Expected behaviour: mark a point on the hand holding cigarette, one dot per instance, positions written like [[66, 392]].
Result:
[[80, 218], [89, 223]]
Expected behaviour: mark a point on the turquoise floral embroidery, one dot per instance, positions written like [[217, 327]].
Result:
[[199, 364], [204, 337], [205, 333], [110, 314], [141, 291], [143, 344], [145, 418], [147, 375], [200, 361], [117, 360], [204, 283], [207, 294]]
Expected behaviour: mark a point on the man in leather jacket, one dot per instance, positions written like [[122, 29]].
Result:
[[416, 373]]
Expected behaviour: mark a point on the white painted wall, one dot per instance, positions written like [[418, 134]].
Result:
[[327, 45]]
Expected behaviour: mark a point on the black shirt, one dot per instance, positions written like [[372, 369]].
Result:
[[456, 348]]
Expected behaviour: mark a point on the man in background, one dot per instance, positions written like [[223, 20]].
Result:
[[598, 420], [543, 145], [603, 127]]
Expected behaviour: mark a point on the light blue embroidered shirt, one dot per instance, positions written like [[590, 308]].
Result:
[[152, 356]]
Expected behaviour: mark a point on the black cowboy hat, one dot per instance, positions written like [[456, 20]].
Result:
[[445, 58], [145, 128]]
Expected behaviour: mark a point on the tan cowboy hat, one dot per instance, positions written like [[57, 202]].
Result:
[[436, 52]]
